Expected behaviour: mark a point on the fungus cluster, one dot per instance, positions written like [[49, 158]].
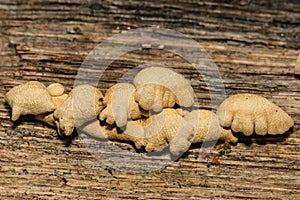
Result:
[[154, 112]]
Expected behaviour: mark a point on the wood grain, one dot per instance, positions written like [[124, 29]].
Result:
[[255, 45]]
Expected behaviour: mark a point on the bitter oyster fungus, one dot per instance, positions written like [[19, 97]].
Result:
[[248, 113], [29, 98], [159, 88]]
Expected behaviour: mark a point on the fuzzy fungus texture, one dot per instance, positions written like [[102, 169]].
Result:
[[134, 132], [168, 128], [120, 105], [58, 96], [83, 104], [47, 118], [155, 97], [207, 127], [297, 66], [58, 100], [57, 93], [248, 113], [31, 98], [163, 88], [56, 89]]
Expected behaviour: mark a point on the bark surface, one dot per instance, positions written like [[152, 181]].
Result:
[[255, 45]]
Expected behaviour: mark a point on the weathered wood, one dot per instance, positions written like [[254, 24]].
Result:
[[254, 43]]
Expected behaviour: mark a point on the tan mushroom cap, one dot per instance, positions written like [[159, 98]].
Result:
[[64, 118], [154, 97], [248, 113], [154, 133], [58, 100], [29, 98], [120, 105], [134, 132], [207, 127], [83, 104], [168, 128], [167, 78], [49, 117]]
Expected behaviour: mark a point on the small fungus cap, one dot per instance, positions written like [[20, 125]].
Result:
[[175, 82], [207, 127], [56, 89], [29, 98], [120, 105], [248, 113]]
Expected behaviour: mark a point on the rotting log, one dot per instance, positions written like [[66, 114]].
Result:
[[255, 45]]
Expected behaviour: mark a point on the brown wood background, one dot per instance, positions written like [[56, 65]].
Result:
[[254, 43]]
